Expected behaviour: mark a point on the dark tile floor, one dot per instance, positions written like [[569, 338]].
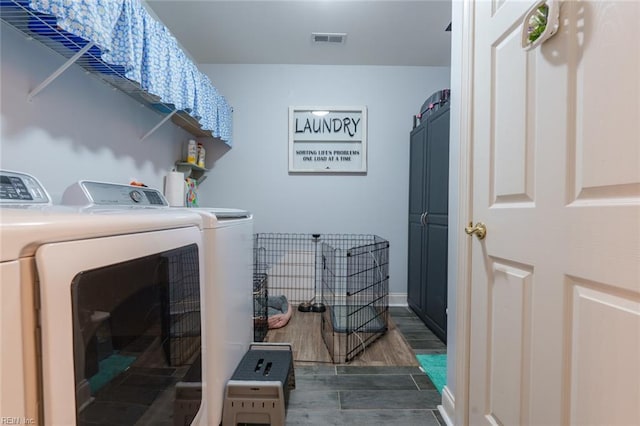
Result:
[[349, 395]]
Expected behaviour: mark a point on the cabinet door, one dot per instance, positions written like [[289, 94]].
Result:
[[417, 180], [436, 229]]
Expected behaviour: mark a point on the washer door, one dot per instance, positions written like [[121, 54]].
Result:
[[121, 327]]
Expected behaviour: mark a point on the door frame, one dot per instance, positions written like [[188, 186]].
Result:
[[462, 76]]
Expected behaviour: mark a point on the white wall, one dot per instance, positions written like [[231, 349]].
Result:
[[78, 127], [254, 174]]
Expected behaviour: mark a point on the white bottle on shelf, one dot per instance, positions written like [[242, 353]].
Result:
[[192, 152]]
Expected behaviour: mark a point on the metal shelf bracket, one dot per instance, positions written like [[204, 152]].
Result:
[[166, 117], [59, 71]]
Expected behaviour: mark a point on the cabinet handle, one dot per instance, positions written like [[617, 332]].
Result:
[[423, 218]]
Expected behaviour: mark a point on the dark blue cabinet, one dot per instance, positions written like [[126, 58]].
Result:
[[428, 218]]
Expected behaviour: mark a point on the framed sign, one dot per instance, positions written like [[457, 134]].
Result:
[[328, 139]]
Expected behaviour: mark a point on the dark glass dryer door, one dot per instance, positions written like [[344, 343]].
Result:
[[132, 329]]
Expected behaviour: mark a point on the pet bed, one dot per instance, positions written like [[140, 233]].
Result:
[[364, 319], [278, 310]]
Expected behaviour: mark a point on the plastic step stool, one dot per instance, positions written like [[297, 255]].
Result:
[[258, 391]]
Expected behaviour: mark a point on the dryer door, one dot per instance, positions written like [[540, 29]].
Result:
[[121, 329]]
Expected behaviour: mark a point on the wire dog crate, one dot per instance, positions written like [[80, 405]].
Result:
[[289, 261], [355, 289], [181, 329], [345, 277], [260, 297]]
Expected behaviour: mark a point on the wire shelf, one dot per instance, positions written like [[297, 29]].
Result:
[[42, 28]]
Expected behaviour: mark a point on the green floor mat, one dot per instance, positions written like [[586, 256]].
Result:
[[108, 369], [435, 366]]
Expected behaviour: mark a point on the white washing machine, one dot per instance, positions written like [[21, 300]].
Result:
[[228, 264], [18, 366], [100, 313], [228, 251]]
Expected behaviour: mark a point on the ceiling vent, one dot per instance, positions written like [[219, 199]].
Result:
[[333, 38]]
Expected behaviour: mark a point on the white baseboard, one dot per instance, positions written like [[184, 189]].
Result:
[[447, 409], [397, 299]]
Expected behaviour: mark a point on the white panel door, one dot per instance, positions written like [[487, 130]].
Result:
[[555, 292]]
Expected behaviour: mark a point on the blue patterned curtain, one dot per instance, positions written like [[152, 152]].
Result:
[[129, 38]]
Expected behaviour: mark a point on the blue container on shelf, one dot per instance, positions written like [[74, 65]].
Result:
[[14, 3], [163, 108]]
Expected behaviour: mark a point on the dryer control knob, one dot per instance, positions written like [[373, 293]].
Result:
[[136, 196]]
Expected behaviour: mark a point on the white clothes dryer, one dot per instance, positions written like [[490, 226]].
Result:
[[100, 313], [227, 236], [228, 263]]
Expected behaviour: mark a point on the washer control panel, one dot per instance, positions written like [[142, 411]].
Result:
[[90, 193], [20, 188]]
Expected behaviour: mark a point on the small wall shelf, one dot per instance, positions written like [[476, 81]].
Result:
[[191, 170]]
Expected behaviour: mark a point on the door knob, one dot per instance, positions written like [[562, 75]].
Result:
[[480, 230]]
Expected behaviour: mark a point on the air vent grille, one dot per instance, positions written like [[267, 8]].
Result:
[[334, 38]]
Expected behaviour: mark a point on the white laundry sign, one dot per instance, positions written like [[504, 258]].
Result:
[[327, 139]]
